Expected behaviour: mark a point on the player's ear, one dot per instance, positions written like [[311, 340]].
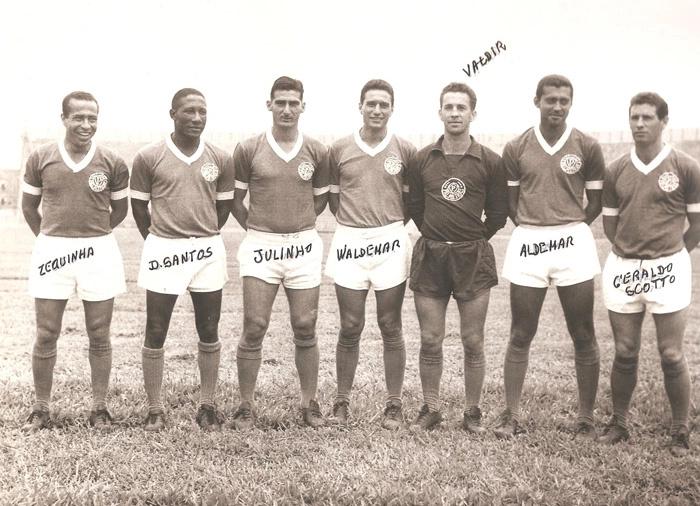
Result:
[[172, 113], [303, 106], [473, 115], [536, 101], [269, 105], [664, 122]]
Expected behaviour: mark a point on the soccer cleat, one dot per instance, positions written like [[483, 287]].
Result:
[[100, 419], [585, 432], [507, 425], [206, 418], [680, 443], [312, 415], [340, 412], [426, 419], [37, 420], [613, 433], [155, 421], [472, 421], [393, 415], [244, 417]]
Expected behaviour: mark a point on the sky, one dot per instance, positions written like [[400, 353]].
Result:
[[134, 54]]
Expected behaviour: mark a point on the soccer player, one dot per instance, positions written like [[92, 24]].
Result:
[[647, 196], [82, 189], [549, 167], [371, 247], [189, 184], [452, 183], [286, 174]]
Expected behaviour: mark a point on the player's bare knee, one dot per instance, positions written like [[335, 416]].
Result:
[[670, 357], [98, 330], [521, 338], [254, 327], [626, 350], [208, 331], [473, 343], [351, 328], [154, 342], [431, 344], [156, 331], [389, 324], [431, 337], [584, 340], [304, 326], [47, 333]]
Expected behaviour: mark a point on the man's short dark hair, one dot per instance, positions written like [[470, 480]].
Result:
[[285, 83], [457, 87], [377, 84], [555, 80], [77, 95], [184, 92], [651, 98]]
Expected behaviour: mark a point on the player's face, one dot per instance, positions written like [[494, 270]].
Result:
[[456, 112], [286, 106], [554, 105], [190, 116], [376, 109], [81, 122], [645, 124]]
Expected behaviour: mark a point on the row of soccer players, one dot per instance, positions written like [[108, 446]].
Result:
[[183, 190]]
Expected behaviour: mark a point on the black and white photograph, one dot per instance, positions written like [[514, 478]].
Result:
[[350, 253]]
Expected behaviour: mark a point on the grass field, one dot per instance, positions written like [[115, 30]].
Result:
[[282, 462]]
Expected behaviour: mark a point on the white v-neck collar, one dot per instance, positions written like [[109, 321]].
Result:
[[646, 169], [287, 157], [550, 150], [375, 150], [189, 160], [77, 167]]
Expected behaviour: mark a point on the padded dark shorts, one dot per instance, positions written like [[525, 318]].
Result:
[[464, 270]]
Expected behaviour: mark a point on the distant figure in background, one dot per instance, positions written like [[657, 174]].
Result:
[[82, 189], [647, 196], [549, 167], [452, 183], [189, 184], [371, 247], [286, 173]]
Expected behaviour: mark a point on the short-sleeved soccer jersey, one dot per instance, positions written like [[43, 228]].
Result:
[[182, 190], [651, 201], [281, 185], [75, 196], [449, 193], [552, 179], [370, 181]]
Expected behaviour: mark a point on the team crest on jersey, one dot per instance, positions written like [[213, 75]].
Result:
[[210, 171], [668, 181], [392, 165], [306, 170], [453, 189], [98, 181], [570, 164]]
